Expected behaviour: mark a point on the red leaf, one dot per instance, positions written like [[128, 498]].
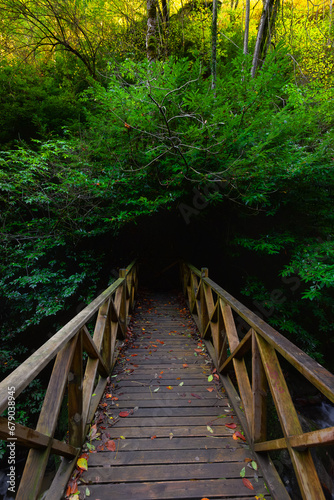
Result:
[[111, 445], [72, 487], [132, 355], [196, 396], [237, 435], [247, 483], [231, 426], [185, 365], [198, 350], [210, 389], [124, 413], [153, 437]]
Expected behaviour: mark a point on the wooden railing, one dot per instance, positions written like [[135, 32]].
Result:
[[85, 387], [216, 313]]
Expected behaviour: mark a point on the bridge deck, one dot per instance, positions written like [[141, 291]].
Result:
[[166, 421]]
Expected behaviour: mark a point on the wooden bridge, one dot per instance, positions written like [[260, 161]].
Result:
[[182, 414]]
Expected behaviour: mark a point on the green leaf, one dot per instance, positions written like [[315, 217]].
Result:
[[243, 472]]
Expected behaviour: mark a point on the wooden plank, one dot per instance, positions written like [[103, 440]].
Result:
[[159, 411], [34, 439], [61, 478], [181, 402], [243, 347], [75, 397], [177, 431], [179, 443], [259, 388], [302, 461], [165, 472], [321, 437], [37, 459], [92, 351], [134, 421], [176, 456], [176, 489]]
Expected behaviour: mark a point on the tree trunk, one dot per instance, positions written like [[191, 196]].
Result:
[[151, 35], [214, 44], [267, 24], [246, 35]]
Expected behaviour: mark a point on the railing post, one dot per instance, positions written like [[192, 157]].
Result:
[[75, 397], [122, 309], [259, 389], [203, 316]]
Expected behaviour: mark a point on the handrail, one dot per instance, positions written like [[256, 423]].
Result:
[[85, 385], [212, 309]]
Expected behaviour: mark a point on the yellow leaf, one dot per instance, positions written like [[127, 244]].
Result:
[[82, 463]]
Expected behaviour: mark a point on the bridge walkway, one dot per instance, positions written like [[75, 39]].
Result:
[[164, 428]]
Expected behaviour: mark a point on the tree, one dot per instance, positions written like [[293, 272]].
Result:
[[39, 25], [214, 43], [246, 34], [264, 34], [151, 36]]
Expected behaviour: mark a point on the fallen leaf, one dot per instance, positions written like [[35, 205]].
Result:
[[198, 350], [124, 413], [209, 429], [181, 384], [111, 445], [231, 426], [171, 435], [243, 472], [185, 365], [210, 389], [248, 460], [196, 396], [169, 387], [82, 463], [156, 390], [248, 484], [87, 492], [254, 465], [210, 378], [114, 398], [122, 437], [216, 376], [161, 373], [153, 437], [205, 498], [237, 435], [72, 487], [108, 395]]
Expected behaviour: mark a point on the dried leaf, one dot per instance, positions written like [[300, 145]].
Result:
[[171, 435], [248, 484], [156, 390], [198, 350], [196, 396], [185, 365], [169, 387], [82, 463], [72, 487], [153, 437], [231, 426], [210, 389], [124, 413], [238, 435], [247, 460], [111, 445], [108, 395]]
